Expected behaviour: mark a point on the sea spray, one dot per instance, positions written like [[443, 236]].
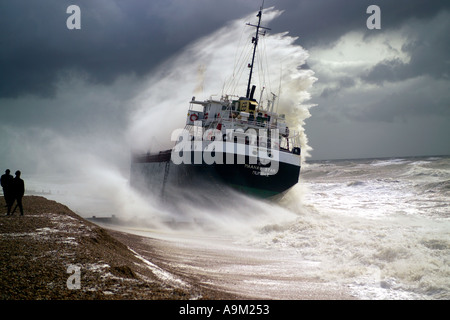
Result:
[[384, 237], [210, 64]]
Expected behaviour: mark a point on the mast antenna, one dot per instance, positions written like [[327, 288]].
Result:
[[255, 43]]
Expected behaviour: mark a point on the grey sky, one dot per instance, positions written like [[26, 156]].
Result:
[[379, 92]]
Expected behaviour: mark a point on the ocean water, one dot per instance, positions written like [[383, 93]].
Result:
[[379, 228]]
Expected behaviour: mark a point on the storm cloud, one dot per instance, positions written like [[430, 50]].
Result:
[[116, 38], [376, 85]]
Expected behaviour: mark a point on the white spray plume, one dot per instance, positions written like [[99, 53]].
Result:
[[212, 64]]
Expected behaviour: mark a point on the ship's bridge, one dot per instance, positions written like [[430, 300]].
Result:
[[246, 105]]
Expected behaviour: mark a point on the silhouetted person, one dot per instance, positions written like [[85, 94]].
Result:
[[18, 192], [6, 182]]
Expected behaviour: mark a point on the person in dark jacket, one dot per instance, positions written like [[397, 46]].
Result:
[[6, 182], [18, 191]]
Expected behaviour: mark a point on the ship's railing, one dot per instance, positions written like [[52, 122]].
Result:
[[290, 143], [289, 140], [254, 123]]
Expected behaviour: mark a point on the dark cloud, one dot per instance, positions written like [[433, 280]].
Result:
[[388, 70], [429, 51], [323, 22], [132, 37], [342, 83], [422, 98], [116, 38]]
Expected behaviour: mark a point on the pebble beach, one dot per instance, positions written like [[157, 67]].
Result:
[[41, 250]]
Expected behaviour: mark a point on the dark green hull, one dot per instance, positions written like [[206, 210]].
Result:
[[158, 174]]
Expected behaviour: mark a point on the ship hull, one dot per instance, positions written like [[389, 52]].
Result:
[[159, 175]]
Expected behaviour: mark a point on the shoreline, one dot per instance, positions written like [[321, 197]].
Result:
[[38, 248]]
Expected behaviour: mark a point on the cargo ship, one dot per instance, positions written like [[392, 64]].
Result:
[[232, 142]]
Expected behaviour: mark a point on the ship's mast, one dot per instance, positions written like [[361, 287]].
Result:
[[255, 43]]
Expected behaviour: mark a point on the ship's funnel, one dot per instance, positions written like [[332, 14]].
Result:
[[252, 92]]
